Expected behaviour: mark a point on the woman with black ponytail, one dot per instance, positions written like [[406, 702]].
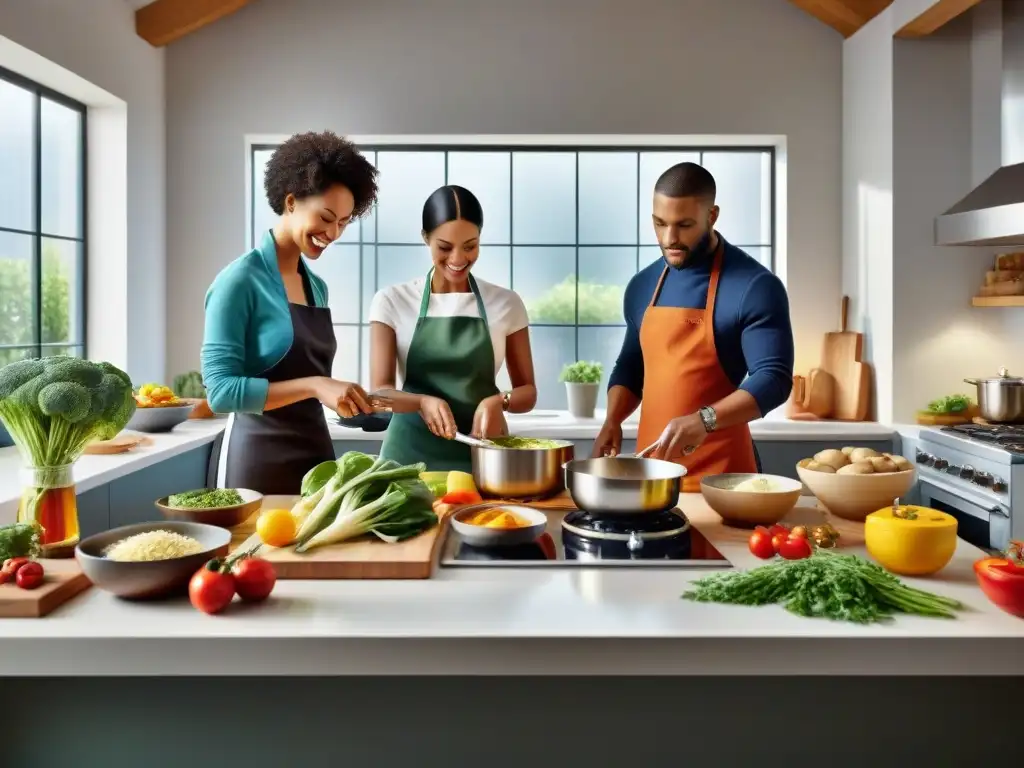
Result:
[[445, 337]]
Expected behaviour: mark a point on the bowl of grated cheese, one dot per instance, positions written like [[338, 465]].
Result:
[[150, 560]]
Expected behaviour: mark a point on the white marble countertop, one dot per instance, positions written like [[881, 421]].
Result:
[[512, 621]]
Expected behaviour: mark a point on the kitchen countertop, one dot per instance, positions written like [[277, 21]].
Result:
[[513, 621], [93, 471]]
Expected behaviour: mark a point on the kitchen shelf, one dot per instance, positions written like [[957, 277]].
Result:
[[998, 301]]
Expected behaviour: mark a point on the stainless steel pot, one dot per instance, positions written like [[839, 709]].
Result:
[[624, 486], [1000, 399], [517, 473]]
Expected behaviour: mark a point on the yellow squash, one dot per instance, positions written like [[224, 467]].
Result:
[[461, 481], [910, 540]]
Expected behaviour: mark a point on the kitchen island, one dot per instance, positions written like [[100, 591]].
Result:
[[498, 621]]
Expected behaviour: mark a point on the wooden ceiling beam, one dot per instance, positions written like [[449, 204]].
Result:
[[938, 15], [164, 21], [844, 16]]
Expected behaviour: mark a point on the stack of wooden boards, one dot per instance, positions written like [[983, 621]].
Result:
[[1007, 279], [840, 387]]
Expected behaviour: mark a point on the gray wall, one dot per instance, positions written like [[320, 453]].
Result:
[[489, 66]]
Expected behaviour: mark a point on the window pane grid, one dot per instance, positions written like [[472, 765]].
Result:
[[42, 291], [582, 309]]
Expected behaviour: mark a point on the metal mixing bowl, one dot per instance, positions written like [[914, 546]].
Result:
[[624, 486], [518, 473]]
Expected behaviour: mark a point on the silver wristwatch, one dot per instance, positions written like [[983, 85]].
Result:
[[709, 418]]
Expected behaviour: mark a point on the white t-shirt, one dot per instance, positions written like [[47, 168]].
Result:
[[398, 307]]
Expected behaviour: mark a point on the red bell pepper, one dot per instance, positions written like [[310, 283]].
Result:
[[460, 498], [1002, 580]]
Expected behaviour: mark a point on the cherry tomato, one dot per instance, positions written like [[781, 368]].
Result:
[[778, 529], [760, 544], [795, 548], [547, 546], [211, 589], [778, 540], [29, 576], [4, 577], [12, 564], [254, 579]]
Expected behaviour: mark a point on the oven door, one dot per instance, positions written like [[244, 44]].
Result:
[[981, 520]]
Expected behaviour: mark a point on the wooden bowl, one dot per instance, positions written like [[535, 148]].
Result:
[[152, 579], [747, 509], [854, 497], [222, 517]]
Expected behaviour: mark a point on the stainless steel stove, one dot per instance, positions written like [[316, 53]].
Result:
[[976, 473]]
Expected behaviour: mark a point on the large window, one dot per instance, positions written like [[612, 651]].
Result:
[[42, 222], [566, 227]]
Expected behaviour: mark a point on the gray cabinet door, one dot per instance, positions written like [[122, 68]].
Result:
[[132, 497]]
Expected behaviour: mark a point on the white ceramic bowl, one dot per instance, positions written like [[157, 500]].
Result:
[[747, 509], [484, 537], [854, 497]]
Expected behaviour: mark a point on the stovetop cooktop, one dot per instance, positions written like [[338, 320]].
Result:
[[578, 539], [1008, 437]]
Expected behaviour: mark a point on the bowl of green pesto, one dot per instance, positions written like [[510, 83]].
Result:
[[223, 507]]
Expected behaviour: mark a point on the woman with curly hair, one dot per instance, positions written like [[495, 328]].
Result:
[[269, 344]]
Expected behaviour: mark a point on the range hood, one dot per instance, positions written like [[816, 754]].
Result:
[[993, 214]]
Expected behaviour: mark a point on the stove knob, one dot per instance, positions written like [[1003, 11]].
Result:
[[924, 458], [941, 463], [967, 472], [984, 479], [952, 469], [998, 485]]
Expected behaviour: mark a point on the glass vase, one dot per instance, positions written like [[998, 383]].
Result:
[[48, 499]]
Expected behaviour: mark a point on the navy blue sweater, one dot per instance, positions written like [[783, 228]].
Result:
[[753, 334]]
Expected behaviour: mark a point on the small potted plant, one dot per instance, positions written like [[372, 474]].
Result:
[[582, 380]]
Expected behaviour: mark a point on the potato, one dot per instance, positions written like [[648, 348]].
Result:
[[882, 464], [832, 457], [805, 463], [857, 468], [848, 449], [860, 454], [901, 462], [817, 466]]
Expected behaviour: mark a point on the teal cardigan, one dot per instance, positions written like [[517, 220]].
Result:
[[248, 328]]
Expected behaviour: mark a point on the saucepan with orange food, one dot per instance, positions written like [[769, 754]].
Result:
[[498, 524]]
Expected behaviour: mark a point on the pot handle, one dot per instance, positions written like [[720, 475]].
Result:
[[975, 382]]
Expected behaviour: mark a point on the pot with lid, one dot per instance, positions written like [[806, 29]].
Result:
[[1001, 398]]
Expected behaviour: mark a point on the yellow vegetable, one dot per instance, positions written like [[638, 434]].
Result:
[[461, 481], [909, 540], [276, 527]]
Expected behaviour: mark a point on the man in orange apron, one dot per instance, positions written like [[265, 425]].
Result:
[[708, 345]]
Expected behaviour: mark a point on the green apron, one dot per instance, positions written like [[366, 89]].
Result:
[[451, 358]]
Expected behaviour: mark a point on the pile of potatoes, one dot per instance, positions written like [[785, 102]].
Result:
[[855, 461]]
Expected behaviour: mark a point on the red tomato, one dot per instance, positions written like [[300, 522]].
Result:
[[210, 589], [1003, 583], [778, 529], [458, 498], [12, 564], [760, 544], [547, 546], [4, 577], [254, 579], [778, 540], [795, 548], [29, 576]]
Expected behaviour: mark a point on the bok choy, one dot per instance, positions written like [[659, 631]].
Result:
[[360, 494]]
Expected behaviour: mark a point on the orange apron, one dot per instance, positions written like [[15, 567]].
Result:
[[682, 374]]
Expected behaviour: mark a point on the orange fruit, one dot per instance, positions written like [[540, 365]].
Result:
[[276, 527]]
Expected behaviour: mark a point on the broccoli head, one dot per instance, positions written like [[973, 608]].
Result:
[[55, 406]]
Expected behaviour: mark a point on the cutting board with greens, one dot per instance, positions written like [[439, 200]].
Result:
[[360, 517], [948, 411], [31, 586]]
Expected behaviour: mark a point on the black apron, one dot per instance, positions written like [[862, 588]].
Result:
[[271, 452]]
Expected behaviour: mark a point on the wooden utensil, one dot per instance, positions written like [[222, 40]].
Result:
[[63, 580], [841, 358], [365, 558], [122, 443]]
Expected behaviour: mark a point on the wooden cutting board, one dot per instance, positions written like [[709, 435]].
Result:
[[841, 357], [368, 558], [122, 443], [929, 419], [63, 580]]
